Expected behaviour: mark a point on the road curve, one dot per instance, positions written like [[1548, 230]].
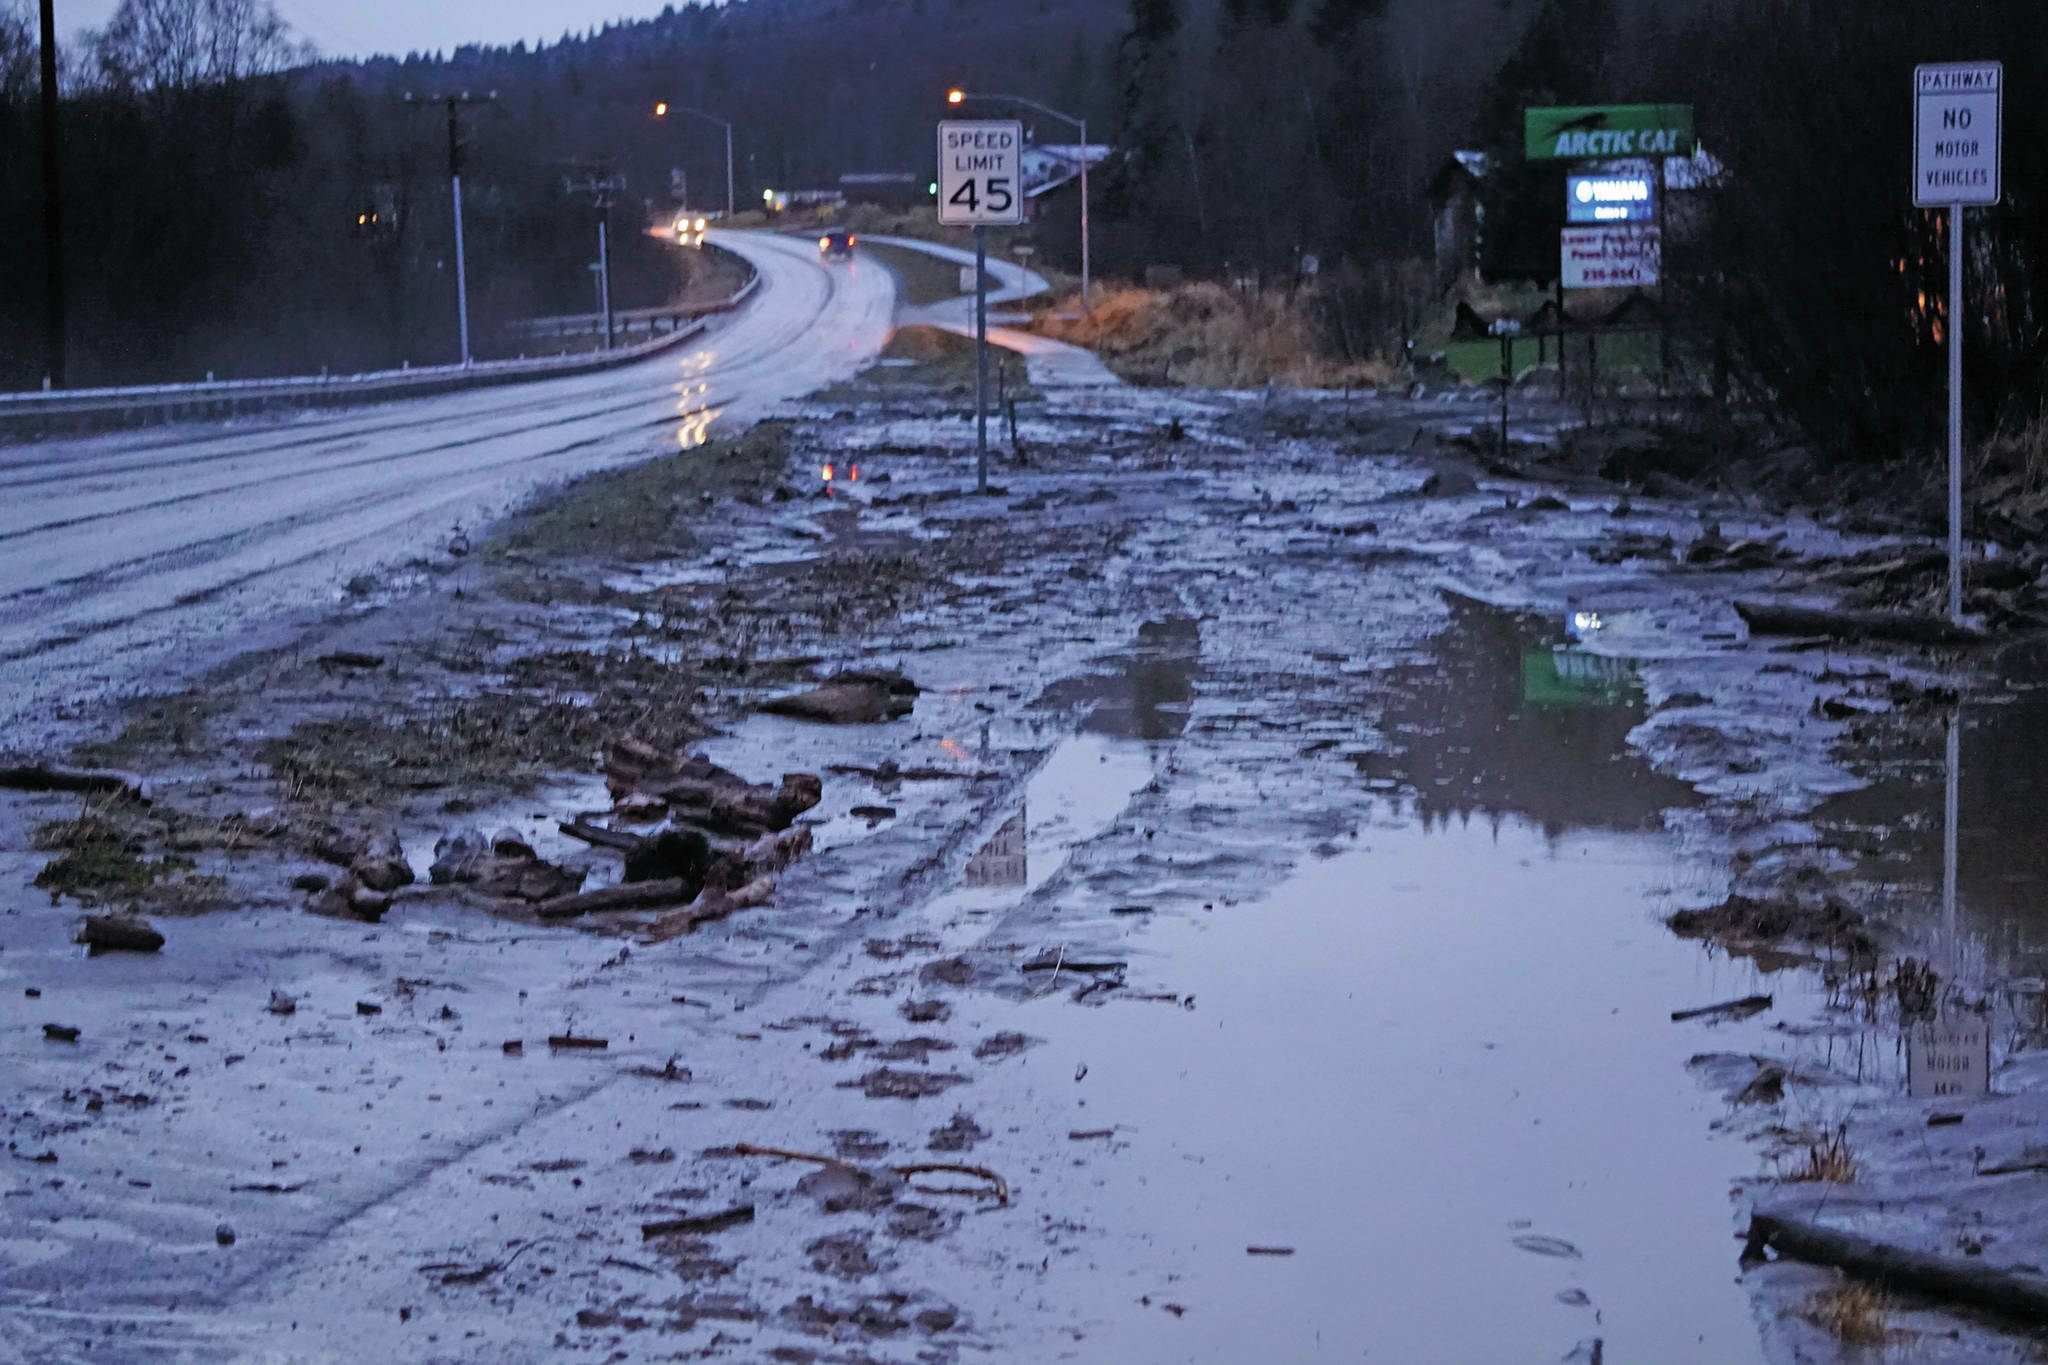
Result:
[[134, 561]]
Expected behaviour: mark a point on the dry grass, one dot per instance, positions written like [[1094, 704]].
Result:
[[491, 741], [924, 279], [1829, 1160], [1206, 335], [641, 511], [931, 362], [173, 724], [567, 705], [100, 856], [2010, 474], [1852, 1311]]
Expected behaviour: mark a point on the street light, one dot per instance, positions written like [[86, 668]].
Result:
[[661, 111], [957, 96]]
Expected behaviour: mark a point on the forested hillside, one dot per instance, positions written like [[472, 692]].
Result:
[[276, 212]]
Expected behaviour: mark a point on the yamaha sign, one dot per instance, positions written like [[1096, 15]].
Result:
[[1610, 199]]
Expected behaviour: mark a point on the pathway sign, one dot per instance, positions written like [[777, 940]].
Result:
[[1608, 132], [1957, 109], [980, 172]]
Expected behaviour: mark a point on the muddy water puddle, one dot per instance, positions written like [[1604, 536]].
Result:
[[1999, 922], [1438, 1071], [1424, 1099]]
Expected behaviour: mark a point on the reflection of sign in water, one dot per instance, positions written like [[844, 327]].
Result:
[[1951, 1056], [1574, 677], [1001, 861]]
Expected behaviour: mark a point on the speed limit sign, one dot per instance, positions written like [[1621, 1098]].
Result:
[[980, 172]]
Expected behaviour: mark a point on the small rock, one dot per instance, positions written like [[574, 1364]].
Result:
[[60, 1033], [311, 882], [843, 1189], [119, 933], [1449, 483], [682, 853], [510, 843], [342, 847], [958, 1135], [381, 872], [280, 1003], [851, 698], [368, 1007], [457, 857], [224, 1235], [333, 902], [366, 904]]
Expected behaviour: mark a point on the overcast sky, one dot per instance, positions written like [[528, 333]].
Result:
[[359, 28]]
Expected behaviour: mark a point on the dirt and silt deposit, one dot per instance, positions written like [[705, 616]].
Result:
[[1208, 904]]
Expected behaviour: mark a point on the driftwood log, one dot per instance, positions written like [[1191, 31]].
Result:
[[2012, 1293], [590, 832], [45, 777], [698, 792], [632, 896], [1902, 627]]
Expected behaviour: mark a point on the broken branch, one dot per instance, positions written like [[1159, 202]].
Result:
[[589, 833], [1001, 1190], [705, 1222], [1743, 1008], [1765, 619], [2010, 1292]]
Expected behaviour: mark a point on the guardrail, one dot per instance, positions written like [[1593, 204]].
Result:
[[49, 412], [649, 320]]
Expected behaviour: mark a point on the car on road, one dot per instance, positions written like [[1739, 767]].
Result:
[[838, 242], [689, 231]]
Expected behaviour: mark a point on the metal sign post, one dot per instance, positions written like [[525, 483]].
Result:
[[1957, 112], [981, 358], [980, 186]]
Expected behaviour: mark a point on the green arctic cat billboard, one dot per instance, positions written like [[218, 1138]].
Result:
[[1606, 132]]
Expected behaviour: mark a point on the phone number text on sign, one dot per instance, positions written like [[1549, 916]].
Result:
[[1611, 257], [980, 164]]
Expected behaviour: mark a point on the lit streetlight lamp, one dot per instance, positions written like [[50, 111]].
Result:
[[661, 111], [957, 96]]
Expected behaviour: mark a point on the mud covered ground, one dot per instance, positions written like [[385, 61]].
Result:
[[1258, 919]]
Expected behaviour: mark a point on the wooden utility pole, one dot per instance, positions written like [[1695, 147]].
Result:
[[53, 211]]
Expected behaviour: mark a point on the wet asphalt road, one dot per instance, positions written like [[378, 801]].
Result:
[[131, 562]]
